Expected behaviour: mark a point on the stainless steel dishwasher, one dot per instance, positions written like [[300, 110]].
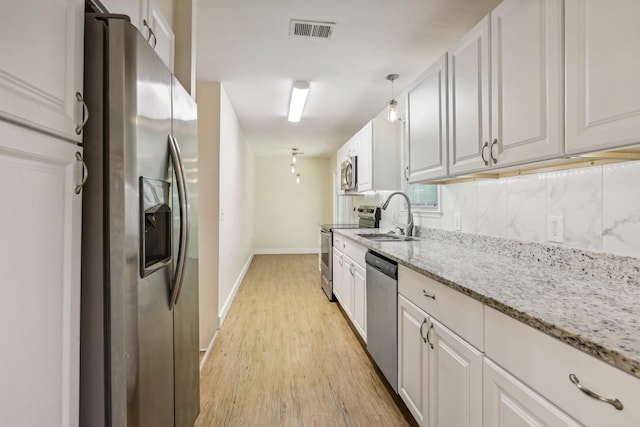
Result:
[[382, 315]]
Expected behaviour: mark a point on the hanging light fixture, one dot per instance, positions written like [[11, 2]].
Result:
[[392, 107], [297, 178], [293, 168]]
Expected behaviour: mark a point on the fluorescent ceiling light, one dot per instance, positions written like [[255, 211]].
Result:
[[298, 99]]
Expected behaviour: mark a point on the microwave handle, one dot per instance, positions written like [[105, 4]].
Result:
[[348, 175]]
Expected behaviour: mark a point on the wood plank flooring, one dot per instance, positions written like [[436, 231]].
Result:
[[285, 356]]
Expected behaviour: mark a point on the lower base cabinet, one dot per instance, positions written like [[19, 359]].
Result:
[[349, 282], [439, 374], [510, 403]]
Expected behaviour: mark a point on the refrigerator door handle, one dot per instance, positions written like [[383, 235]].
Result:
[[178, 277]]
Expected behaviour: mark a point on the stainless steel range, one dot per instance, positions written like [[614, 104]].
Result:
[[368, 217]]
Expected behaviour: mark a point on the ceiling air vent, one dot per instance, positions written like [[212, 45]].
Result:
[[313, 29]]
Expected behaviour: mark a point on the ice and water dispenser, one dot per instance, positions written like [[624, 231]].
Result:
[[155, 225]]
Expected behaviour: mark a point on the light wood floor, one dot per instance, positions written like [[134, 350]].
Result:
[[285, 356]]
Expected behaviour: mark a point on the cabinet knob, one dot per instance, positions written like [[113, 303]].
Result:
[[613, 402]]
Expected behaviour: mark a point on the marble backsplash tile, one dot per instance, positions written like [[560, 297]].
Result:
[[526, 203], [600, 206], [621, 208]]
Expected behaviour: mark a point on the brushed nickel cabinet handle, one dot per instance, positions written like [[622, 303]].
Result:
[[495, 142], [613, 402], [486, 144], [406, 173], [85, 173], [85, 113], [428, 332], [428, 295], [424, 322]]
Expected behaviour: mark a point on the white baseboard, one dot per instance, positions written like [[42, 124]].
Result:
[[232, 295], [284, 251], [208, 350]]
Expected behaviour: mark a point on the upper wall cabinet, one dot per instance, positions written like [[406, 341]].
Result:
[[41, 65], [603, 74], [427, 126], [378, 159], [147, 17], [505, 88]]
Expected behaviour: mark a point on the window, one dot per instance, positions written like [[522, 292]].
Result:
[[425, 198]]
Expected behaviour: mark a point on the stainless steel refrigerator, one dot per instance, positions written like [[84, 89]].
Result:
[[139, 307]]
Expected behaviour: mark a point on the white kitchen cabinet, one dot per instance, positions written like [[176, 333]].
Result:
[[378, 156], [455, 379], [148, 18], [546, 365], [359, 287], [347, 286], [510, 403], [349, 281], [41, 62], [439, 373], [40, 264], [338, 266], [602, 67], [506, 88], [427, 140], [413, 359], [469, 127]]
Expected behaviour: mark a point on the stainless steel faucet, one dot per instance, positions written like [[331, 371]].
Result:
[[409, 228]]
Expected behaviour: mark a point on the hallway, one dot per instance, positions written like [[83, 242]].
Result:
[[285, 356]]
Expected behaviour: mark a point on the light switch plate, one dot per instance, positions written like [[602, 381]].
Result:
[[555, 228]]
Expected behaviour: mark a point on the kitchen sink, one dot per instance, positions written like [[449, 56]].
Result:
[[386, 237]]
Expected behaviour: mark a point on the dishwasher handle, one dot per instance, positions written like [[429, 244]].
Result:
[[384, 265]]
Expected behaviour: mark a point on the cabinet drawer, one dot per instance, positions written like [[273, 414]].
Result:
[[354, 251], [462, 314], [545, 363]]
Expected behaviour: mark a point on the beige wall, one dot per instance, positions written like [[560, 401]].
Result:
[[288, 214], [208, 184]]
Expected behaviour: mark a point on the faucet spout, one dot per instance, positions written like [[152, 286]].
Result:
[[385, 205]]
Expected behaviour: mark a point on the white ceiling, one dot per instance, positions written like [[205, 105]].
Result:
[[245, 44]]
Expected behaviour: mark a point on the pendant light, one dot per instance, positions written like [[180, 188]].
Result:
[[392, 107], [293, 168]]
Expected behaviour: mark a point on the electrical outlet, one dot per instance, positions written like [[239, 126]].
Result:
[[457, 221], [555, 228]]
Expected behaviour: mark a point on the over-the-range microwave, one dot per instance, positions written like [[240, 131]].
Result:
[[349, 174]]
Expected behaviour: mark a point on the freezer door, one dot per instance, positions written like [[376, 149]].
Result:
[[186, 334]]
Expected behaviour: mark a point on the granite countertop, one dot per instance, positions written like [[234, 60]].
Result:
[[590, 301]]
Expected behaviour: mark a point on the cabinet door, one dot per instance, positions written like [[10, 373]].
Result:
[[337, 274], [468, 69], [427, 125], [163, 38], [364, 143], [510, 403], [41, 64], [360, 300], [413, 357], [40, 265], [527, 81], [602, 42], [347, 285], [455, 381]]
